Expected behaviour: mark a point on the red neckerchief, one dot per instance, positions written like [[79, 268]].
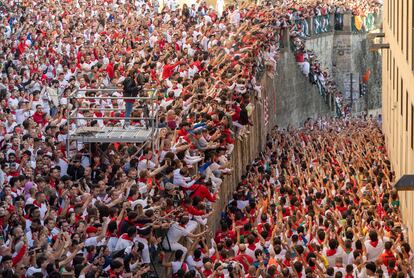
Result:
[[207, 272], [27, 217], [109, 234], [348, 251], [126, 237], [330, 252], [252, 247], [52, 182], [373, 243], [286, 262], [112, 274], [126, 219]]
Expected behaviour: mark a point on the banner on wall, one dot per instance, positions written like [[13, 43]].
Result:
[[358, 22]]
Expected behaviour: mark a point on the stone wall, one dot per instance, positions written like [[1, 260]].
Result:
[[322, 45], [244, 152], [291, 100], [343, 53], [292, 97]]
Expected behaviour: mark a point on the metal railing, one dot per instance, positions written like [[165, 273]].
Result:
[[328, 97], [150, 117], [322, 24]]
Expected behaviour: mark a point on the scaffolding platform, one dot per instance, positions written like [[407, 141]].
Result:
[[146, 136], [129, 134]]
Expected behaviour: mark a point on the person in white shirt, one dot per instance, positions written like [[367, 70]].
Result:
[[142, 237], [181, 179], [339, 267], [176, 232], [23, 112], [13, 100], [195, 261], [333, 252], [235, 17], [374, 246], [10, 123], [40, 267], [127, 239], [146, 162], [368, 271], [306, 68]]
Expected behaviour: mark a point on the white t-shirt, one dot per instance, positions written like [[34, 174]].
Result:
[[13, 102], [374, 252], [145, 255], [332, 259], [93, 241], [123, 243], [32, 270], [193, 264], [112, 243], [176, 232], [21, 115]]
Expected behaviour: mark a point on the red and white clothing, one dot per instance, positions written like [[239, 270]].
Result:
[[374, 249], [331, 255], [123, 242]]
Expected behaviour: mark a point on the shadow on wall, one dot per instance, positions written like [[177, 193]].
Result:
[[292, 98]]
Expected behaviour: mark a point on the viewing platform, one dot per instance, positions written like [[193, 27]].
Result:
[[82, 130]]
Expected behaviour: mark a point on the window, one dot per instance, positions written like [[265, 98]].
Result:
[[401, 91], [412, 36], [402, 24], [406, 110], [393, 73], [392, 15], [407, 34], [388, 61], [398, 83], [397, 23], [389, 13], [412, 126]]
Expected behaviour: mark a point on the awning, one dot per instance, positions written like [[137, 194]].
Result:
[[405, 183]]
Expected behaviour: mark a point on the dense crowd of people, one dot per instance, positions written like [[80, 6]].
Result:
[[111, 210], [312, 69], [318, 202]]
